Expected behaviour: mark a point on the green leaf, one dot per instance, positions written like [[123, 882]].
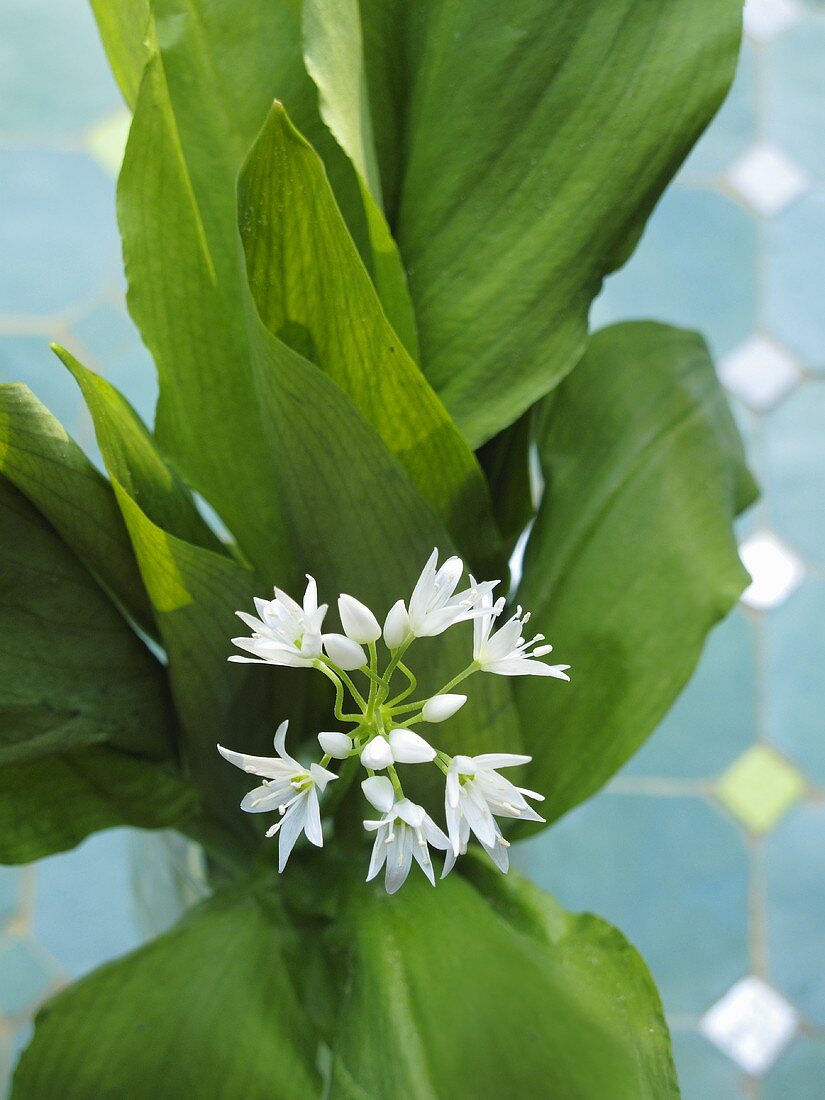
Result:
[[520, 160], [313, 291], [444, 994], [46, 465], [207, 1010], [124, 28], [632, 558], [194, 589], [72, 671], [333, 53], [51, 804], [272, 442]]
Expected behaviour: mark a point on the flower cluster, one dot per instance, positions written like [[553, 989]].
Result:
[[288, 633]]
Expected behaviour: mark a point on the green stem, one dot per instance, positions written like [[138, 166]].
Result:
[[339, 694], [413, 684], [339, 672]]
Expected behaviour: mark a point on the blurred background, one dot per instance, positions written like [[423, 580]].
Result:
[[708, 849]]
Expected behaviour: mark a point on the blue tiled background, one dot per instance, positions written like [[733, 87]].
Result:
[[706, 898]]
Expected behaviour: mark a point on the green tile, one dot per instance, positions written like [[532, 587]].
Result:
[[106, 141], [760, 788]]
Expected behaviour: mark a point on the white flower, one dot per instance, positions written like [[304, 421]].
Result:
[[336, 745], [396, 625], [289, 788], [402, 834], [358, 621], [442, 707], [286, 633], [344, 652], [499, 852], [476, 792], [410, 748], [435, 605], [378, 792], [377, 754], [506, 653]]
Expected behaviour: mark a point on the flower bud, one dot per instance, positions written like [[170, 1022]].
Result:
[[408, 748], [442, 707], [346, 653], [396, 625], [336, 745], [378, 792], [377, 754], [358, 621]]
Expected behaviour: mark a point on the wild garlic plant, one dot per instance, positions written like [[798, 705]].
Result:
[[381, 717]]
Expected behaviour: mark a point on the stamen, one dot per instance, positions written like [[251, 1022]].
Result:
[[504, 843]]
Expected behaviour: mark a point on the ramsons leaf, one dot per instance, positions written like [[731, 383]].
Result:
[[206, 1010], [632, 558], [72, 671], [38, 457], [520, 155], [425, 976]]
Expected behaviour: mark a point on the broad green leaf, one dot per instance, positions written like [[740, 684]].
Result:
[[333, 53], [39, 457], [124, 28], [51, 804], [273, 443], [72, 671], [444, 994], [194, 589], [313, 291], [632, 558], [207, 1010], [520, 157]]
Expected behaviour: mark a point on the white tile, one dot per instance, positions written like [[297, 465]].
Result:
[[765, 19], [759, 372], [766, 179], [752, 1024], [774, 568]]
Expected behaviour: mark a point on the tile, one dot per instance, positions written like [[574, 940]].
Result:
[[759, 372], [5, 1064], [799, 1074], [704, 1072], [681, 270], [793, 279], [794, 93], [11, 893], [714, 719], [83, 913], [765, 19], [760, 788], [28, 359], [111, 345], [794, 688], [606, 856], [774, 568], [58, 236], [26, 974], [733, 128], [106, 141], [54, 79], [794, 470], [794, 858], [766, 179], [752, 1024]]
